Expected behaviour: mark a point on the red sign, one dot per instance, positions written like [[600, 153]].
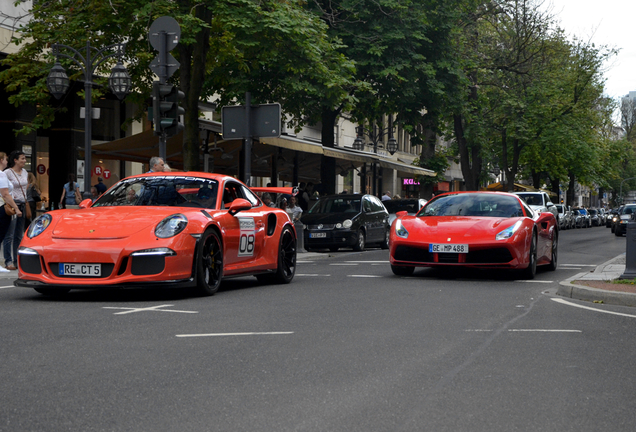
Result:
[[41, 169], [106, 174], [98, 170]]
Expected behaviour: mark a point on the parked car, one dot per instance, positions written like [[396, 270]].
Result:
[[595, 219], [616, 218], [539, 202], [580, 220], [338, 221], [624, 217], [410, 205], [586, 220], [489, 230], [602, 214], [565, 217]]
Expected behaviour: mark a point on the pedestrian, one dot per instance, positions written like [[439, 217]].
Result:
[[386, 196], [94, 193], [306, 196], [33, 197], [100, 186], [267, 200], [19, 178], [156, 164], [293, 210], [71, 196], [6, 188]]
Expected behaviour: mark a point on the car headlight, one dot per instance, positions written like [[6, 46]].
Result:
[[346, 224], [38, 226], [171, 226], [400, 231], [508, 232], [624, 221]]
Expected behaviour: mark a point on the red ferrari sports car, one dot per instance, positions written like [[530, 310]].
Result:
[[160, 229], [474, 229]]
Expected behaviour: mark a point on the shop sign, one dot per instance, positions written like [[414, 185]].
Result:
[[98, 170], [41, 169], [106, 174], [409, 182]]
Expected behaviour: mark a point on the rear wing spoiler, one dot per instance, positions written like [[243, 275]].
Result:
[[293, 191]]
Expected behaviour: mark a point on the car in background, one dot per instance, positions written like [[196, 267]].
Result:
[[352, 220], [565, 217], [602, 214], [538, 201], [580, 220], [488, 230], [611, 220], [409, 205], [586, 221], [595, 219], [624, 217], [153, 230]]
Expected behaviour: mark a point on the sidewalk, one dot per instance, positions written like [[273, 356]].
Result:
[[595, 285]]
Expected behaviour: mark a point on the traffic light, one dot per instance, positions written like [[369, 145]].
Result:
[[166, 109]]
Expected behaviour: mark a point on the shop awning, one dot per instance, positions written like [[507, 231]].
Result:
[[140, 148], [347, 155], [293, 144], [410, 169]]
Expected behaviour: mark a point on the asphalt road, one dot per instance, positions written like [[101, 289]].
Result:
[[347, 346]]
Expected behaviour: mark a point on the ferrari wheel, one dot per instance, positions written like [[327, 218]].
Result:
[[529, 272], [286, 260], [554, 260], [402, 270], [53, 292], [360, 242], [209, 263], [385, 242]]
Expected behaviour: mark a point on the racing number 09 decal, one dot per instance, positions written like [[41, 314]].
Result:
[[247, 238]]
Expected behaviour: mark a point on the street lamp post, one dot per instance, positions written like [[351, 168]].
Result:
[[621, 188], [375, 134], [58, 84]]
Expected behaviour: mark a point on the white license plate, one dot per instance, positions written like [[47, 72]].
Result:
[[75, 269], [448, 248], [317, 235]]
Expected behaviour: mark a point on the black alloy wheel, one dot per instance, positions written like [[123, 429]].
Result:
[[360, 242], [209, 262], [286, 260]]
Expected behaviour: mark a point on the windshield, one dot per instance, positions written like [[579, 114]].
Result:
[[628, 210], [394, 206], [531, 198], [489, 205], [178, 191], [336, 205], [592, 212]]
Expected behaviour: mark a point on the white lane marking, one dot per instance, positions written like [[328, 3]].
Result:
[[573, 268], [311, 274], [343, 264], [6, 287], [534, 281], [530, 330], [304, 262], [366, 276], [152, 309], [578, 265], [233, 334], [565, 302], [367, 262], [545, 330]]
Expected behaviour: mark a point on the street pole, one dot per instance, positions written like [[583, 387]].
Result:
[[88, 64]]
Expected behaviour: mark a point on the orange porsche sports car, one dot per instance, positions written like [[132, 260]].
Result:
[[160, 230], [474, 229]]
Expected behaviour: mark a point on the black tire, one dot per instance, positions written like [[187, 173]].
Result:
[[286, 260], [555, 253], [209, 263], [334, 248], [618, 232], [360, 242], [53, 292], [613, 228], [528, 273], [385, 242], [402, 270]]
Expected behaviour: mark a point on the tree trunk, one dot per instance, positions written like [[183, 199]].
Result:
[[469, 156], [192, 75], [328, 164]]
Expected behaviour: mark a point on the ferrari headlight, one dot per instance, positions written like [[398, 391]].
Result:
[[400, 231], [171, 226], [508, 232], [38, 226]]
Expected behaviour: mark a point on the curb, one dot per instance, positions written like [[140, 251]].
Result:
[[586, 293]]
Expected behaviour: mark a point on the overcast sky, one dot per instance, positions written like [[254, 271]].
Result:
[[605, 22]]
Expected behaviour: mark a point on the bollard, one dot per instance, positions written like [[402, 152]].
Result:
[[300, 237], [630, 253]]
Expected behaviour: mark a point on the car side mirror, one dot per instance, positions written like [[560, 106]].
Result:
[[238, 205], [549, 205], [86, 203]]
